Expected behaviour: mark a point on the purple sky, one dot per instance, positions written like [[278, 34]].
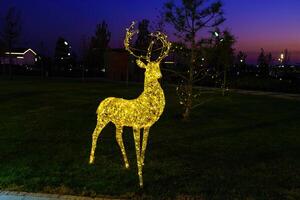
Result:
[[269, 24]]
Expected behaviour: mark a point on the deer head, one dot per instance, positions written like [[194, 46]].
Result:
[[152, 67]]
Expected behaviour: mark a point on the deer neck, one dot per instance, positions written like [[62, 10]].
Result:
[[154, 93], [153, 96], [151, 85]]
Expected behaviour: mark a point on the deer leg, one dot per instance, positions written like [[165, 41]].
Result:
[[100, 125], [144, 145], [119, 131], [137, 141]]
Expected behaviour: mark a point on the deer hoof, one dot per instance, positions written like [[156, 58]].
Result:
[[91, 161]]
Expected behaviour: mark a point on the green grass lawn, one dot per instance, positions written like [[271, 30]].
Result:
[[235, 147]]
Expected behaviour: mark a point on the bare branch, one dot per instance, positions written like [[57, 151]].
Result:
[[204, 24], [175, 73], [203, 102], [187, 19]]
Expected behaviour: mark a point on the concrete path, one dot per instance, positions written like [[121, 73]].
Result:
[[39, 196]]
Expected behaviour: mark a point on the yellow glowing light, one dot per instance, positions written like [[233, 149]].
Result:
[[139, 113]]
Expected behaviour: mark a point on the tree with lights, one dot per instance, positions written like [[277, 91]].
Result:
[[220, 56], [241, 62], [62, 54], [264, 62], [188, 19]]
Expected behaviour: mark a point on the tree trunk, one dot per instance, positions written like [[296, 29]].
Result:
[[42, 70], [83, 72], [10, 74], [224, 82], [189, 93], [189, 103], [10, 70], [186, 114], [3, 70]]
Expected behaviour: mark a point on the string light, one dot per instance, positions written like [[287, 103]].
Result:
[[139, 113]]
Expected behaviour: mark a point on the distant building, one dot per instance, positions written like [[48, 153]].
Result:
[[121, 66], [117, 65], [21, 56]]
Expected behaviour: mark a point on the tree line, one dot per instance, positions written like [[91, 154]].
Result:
[[202, 50]]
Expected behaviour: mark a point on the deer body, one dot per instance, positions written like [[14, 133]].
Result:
[[138, 118], [139, 113]]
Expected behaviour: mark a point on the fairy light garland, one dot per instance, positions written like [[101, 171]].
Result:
[[139, 113]]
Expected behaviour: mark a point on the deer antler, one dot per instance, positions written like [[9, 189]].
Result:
[[166, 45], [130, 32]]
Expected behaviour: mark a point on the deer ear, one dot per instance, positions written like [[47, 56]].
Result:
[[141, 64]]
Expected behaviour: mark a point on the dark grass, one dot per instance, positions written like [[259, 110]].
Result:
[[235, 147], [266, 84]]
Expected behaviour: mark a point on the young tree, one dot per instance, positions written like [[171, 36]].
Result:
[[2, 50], [188, 19], [62, 54], [2, 47], [269, 59], [264, 62], [241, 62], [98, 46], [11, 33], [84, 50], [40, 61], [221, 55]]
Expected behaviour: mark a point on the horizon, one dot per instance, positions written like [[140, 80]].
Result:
[[273, 26]]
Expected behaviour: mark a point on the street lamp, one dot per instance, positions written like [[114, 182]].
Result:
[[281, 58], [219, 36]]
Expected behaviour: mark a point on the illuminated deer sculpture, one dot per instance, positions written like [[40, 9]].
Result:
[[139, 113]]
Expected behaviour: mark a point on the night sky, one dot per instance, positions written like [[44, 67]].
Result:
[[269, 24]]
